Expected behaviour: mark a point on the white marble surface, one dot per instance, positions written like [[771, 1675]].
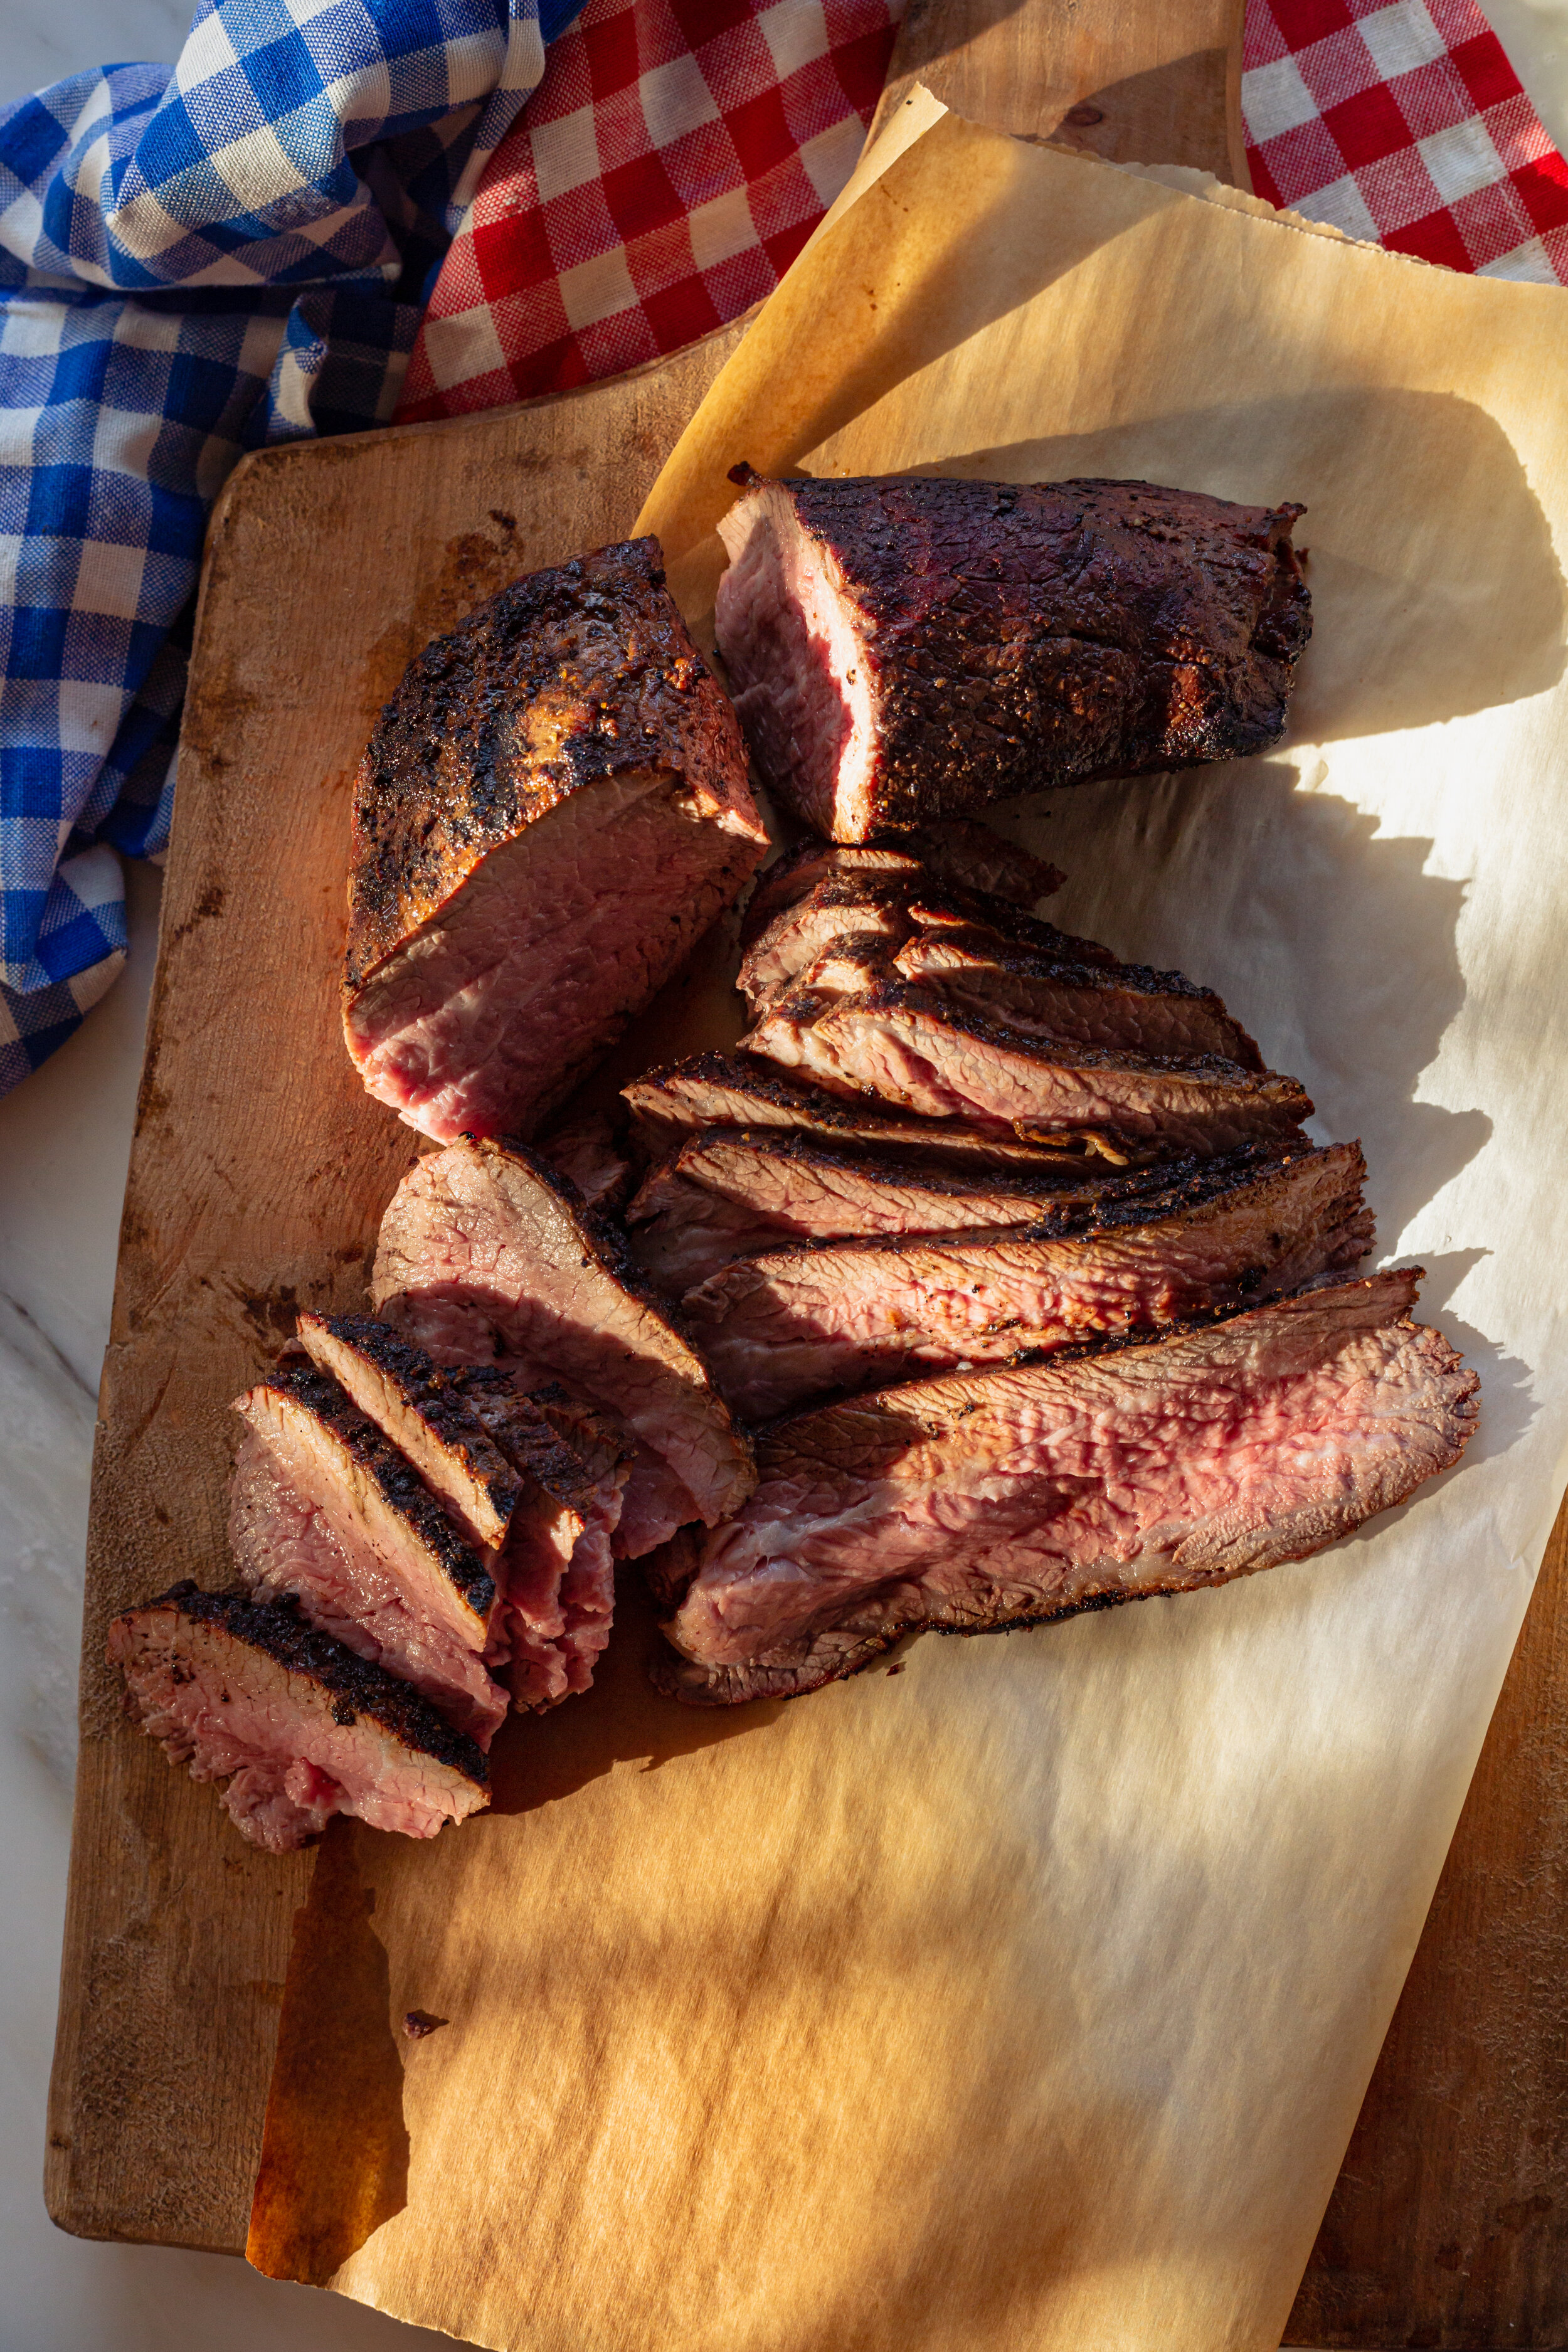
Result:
[[64, 1139]]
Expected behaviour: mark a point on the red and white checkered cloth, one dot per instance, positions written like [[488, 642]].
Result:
[[678, 154]]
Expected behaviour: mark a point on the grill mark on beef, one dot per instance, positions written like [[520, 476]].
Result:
[[981, 1502], [896, 907], [907, 650], [968, 857], [484, 1243], [285, 1547], [795, 1323], [731, 1192], [669, 1105], [403, 1391], [357, 1476], [552, 807], [1125, 1005], [907, 1045], [304, 1726]]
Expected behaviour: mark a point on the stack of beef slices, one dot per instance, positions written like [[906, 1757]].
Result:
[[427, 1505], [1025, 1265]]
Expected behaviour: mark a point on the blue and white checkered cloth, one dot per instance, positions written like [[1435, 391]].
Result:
[[192, 265]]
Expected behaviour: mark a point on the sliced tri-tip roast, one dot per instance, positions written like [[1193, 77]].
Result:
[[539, 1496], [985, 1500], [486, 1252], [553, 806], [907, 651], [733, 1192], [909, 1046], [325, 1509], [299, 1726], [794, 1324], [405, 1393], [558, 1580], [1057, 995], [963, 855], [685, 1098]]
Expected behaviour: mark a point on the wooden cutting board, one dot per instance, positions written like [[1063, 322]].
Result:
[[328, 566]]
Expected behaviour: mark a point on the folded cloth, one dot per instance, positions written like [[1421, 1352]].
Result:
[[193, 265]]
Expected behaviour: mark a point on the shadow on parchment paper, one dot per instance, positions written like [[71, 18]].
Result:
[[1448, 605], [538, 1759], [335, 2150]]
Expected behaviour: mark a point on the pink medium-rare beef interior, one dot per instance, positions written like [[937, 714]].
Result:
[[558, 1572], [793, 646], [300, 1727], [795, 1323], [906, 1044], [486, 1250], [551, 807], [370, 1493], [485, 1020], [988, 1499], [285, 1547]]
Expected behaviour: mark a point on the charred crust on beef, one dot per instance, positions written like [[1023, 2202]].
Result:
[[326, 1401], [280, 1633], [582, 671], [1142, 628]]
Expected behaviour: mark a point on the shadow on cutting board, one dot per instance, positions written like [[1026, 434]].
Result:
[[334, 2150], [538, 1759]]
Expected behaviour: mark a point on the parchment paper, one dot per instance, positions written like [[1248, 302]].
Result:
[[1026, 1999]]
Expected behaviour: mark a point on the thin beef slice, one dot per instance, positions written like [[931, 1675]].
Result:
[[987, 1500], [298, 1726], [907, 1047], [486, 1252], [794, 1324]]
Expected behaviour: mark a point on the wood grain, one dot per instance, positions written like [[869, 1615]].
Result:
[[1133, 80], [258, 1175], [1449, 2224]]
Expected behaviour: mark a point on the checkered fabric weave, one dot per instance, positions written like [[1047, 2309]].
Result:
[[666, 172], [1403, 124], [193, 264]]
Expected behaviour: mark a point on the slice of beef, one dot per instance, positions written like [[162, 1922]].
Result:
[[875, 909], [722, 1090], [487, 1251], [893, 907], [405, 1393], [305, 1728], [794, 1324], [1119, 1004], [553, 808], [907, 1047], [559, 1571], [731, 1192], [586, 1151], [368, 1490], [985, 1500], [286, 1547], [967, 856], [908, 650]]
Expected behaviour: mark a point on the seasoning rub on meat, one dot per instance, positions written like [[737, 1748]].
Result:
[[552, 807], [907, 650]]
